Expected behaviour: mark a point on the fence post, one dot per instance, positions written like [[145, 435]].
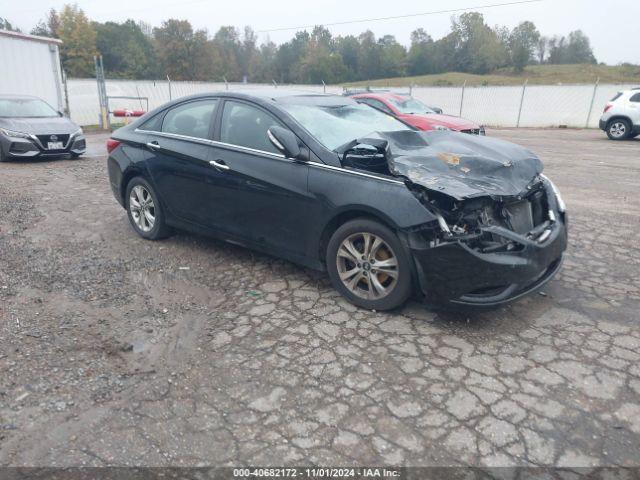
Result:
[[462, 97], [524, 87], [275, 85], [324, 87], [102, 93], [593, 97], [169, 81], [410, 89], [66, 94]]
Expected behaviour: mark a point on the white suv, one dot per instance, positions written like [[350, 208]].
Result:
[[621, 117]]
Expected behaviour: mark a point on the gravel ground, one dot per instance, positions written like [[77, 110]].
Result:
[[119, 351]]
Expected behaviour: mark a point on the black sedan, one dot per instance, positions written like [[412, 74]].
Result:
[[30, 127], [335, 185]]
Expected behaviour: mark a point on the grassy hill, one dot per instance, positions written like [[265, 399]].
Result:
[[537, 75]]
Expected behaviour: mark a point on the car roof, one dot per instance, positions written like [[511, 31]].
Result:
[[18, 97], [383, 96], [279, 95]]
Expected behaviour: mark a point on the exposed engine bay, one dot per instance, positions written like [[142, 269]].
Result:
[[483, 222], [484, 192]]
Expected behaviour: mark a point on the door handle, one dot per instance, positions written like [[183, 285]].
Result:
[[153, 145], [219, 164]]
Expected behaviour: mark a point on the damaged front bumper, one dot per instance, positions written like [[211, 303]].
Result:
[[456, 274]]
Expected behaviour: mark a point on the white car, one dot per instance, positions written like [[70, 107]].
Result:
[[621, 116]]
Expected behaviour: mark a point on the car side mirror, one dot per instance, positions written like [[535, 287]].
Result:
[[367, 157], [285, 141]]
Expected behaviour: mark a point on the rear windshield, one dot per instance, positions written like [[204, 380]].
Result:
[[26, 108], [616, 96]]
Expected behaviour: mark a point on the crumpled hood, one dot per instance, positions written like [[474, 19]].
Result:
[[460, 165], [40, 126]]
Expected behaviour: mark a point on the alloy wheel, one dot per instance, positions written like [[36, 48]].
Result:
[[142, 208], [367, 266], [618, 129]]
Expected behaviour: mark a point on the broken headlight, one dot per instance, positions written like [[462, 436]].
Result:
[[561, 205]]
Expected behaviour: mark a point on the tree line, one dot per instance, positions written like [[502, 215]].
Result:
[[135, 50]]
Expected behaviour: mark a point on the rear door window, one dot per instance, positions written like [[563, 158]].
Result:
[[192, 119], [246, 126]]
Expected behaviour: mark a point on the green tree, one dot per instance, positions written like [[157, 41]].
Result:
[[522, 43], [126, 51], [541, 49], [227, 43], [393, 57], [575, 49], [579, 48], [183, 53], [5, 24], [478, 48], [49, 26], [369, 56], [78, 37], [290, 56], [321, 63], [421, 56], [348, 48]]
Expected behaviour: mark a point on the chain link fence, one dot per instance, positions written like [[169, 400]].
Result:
[[512, 106]]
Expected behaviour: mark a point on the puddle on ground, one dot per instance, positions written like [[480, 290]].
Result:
[[167, 288]]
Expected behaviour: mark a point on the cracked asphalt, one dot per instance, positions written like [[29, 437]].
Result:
[[119, 351]]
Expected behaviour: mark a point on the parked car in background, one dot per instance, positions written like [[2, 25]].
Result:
[[416, 113], [30, 127], [621, 116], [335, 185]]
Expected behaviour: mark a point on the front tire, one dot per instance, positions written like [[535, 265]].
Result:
[[619, 129], [368, 265], [144, 210]]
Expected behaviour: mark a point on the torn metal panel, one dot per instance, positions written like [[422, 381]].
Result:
[[461, 166]]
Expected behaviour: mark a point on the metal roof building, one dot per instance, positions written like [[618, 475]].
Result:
[[30, 65]]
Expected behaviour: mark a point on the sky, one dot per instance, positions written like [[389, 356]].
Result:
[[613, 28]]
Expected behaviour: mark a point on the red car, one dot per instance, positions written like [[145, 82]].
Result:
[[416, 113]]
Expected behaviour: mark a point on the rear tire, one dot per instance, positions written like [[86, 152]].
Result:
[[618, 129], [368, 265], [144, 210]]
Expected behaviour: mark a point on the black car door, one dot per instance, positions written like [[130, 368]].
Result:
[[264, 196], [177, 156]]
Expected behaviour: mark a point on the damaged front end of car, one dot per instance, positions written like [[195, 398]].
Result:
[[500, 228]]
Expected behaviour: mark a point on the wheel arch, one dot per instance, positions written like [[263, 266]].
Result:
[[130, 173], [619, 116], [345, 215]]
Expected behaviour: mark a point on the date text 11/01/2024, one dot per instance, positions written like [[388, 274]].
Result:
[[372, 472]]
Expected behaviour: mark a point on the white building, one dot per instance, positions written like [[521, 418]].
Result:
[[30, 65]]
